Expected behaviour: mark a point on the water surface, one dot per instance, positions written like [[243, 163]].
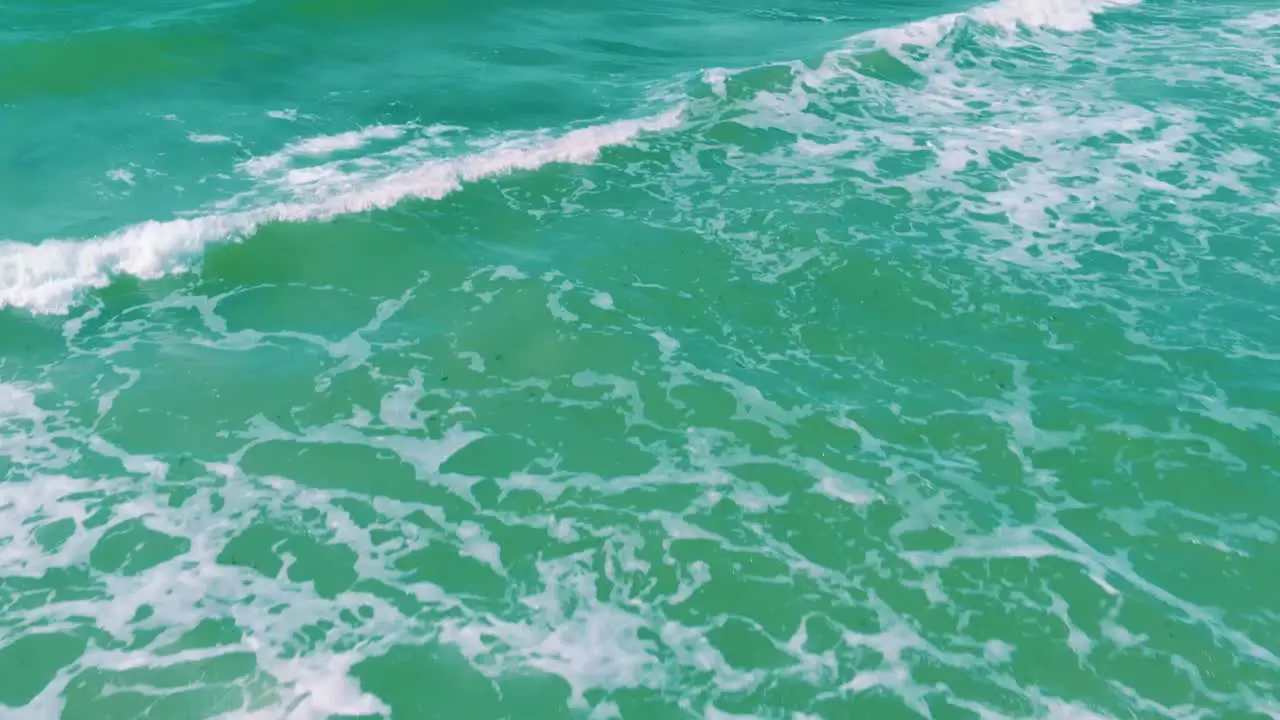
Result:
[[639, 360]]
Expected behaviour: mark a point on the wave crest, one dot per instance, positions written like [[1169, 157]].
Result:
[[46, 278]]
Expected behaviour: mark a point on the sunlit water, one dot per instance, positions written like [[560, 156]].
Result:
[[640, 360]]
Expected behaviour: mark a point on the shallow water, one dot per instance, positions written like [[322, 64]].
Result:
[[650, 360]]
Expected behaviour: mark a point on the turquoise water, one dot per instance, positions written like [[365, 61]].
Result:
[[640, 360]]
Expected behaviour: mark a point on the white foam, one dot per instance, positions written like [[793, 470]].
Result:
[[23, 424], [1008, 15], [320, 686], [18, 402], [587, 642], [47, 277], [322, 145], [1260, 20], [839, 488], [1065, 15], [207, 139], [715, 78]]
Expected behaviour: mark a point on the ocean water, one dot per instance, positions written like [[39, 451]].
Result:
[[790, 360]]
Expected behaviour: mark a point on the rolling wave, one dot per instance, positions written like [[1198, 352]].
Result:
[[48, 277]]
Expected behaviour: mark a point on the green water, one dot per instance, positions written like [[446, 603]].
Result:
[[642, 360]]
